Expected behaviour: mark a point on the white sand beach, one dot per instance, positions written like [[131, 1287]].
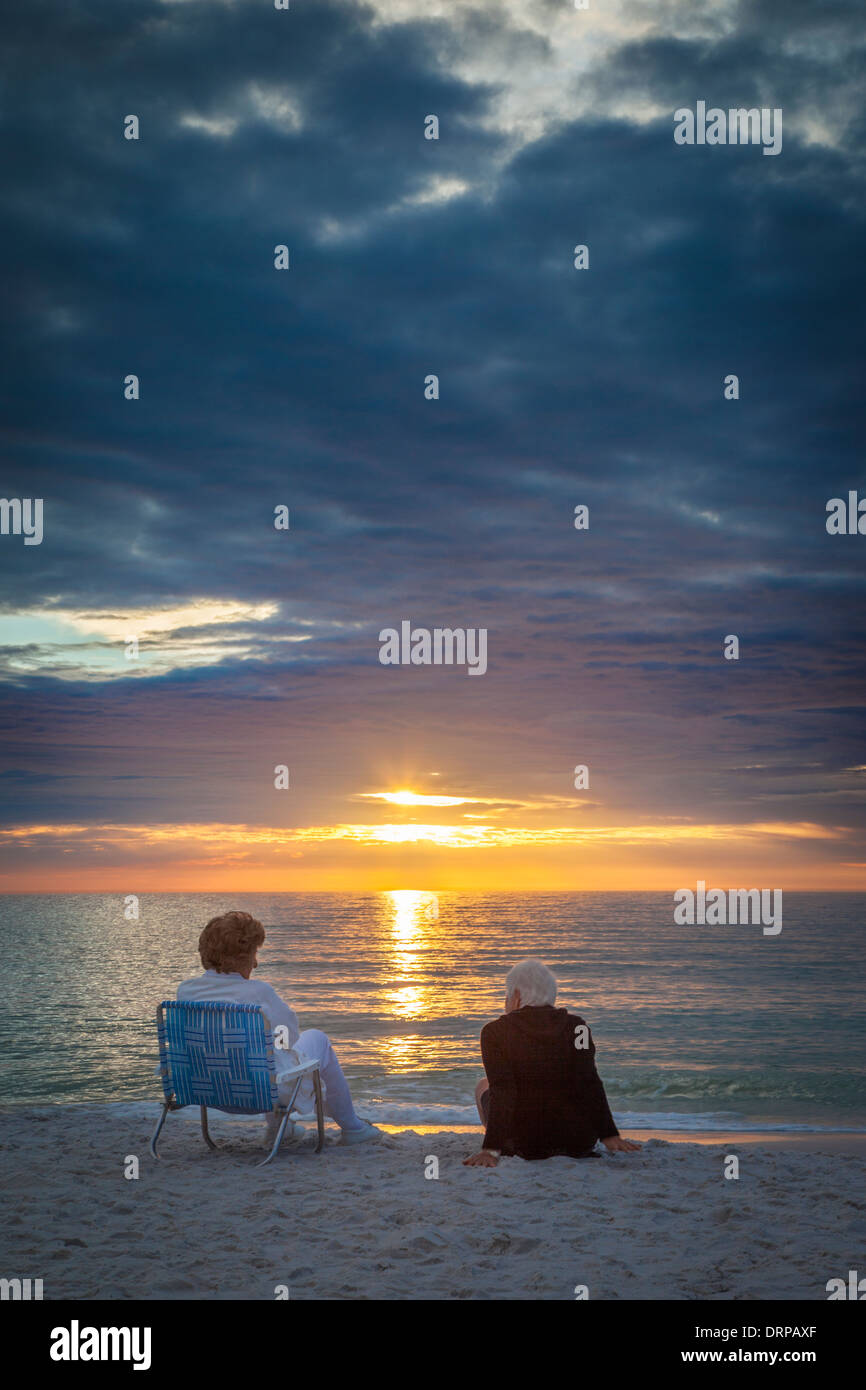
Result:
[[365, 1223]]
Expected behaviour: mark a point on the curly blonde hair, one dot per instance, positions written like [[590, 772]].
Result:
[[229, 943]]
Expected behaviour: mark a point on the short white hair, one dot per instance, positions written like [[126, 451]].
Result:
[[536, 983]]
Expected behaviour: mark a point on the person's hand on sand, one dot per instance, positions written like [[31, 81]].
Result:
[[617, 1145], [485, 1158]]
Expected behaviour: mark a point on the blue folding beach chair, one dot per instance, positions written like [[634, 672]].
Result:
[[222, 1055]]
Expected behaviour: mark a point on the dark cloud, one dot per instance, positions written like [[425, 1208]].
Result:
[[557, 387]]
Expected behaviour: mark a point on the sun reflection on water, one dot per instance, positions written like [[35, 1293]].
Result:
[[413, 912], [413, 915]]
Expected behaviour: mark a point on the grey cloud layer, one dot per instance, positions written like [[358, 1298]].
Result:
[[557, 386]]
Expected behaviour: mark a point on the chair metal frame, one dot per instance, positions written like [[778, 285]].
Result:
[[283, 1112]]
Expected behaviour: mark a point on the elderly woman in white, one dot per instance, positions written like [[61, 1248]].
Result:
[[228, 947]]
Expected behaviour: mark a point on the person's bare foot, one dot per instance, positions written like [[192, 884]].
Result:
[[485, 1158], [617, 1145]]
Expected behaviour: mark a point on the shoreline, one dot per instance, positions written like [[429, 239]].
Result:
[[828, 1140]]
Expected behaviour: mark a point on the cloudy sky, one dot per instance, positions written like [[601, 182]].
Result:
[[304, 388]]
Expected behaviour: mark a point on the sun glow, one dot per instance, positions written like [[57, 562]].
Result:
[[466, 856], [407, 798], [214, 837]]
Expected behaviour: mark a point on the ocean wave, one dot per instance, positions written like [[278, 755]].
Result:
[[847, 1090], [391, 1112], [446, 1116]]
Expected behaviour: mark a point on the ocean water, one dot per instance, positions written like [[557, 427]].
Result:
[[696, 1027]]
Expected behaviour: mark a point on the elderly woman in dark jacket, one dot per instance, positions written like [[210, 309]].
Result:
[[542, 1095]]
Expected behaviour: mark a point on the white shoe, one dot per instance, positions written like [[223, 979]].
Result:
[[360, 1136]]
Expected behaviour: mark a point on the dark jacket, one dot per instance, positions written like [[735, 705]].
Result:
[[546, 1097]]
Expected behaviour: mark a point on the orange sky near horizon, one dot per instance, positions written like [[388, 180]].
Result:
[[434, 846]]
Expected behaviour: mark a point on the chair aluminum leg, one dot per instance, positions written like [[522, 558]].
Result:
[[156, 1132], [204, 1129], [320, 1111], [285, 1111], [279, 1139]]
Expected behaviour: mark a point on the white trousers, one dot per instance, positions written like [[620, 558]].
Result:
[[315, 1046]]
